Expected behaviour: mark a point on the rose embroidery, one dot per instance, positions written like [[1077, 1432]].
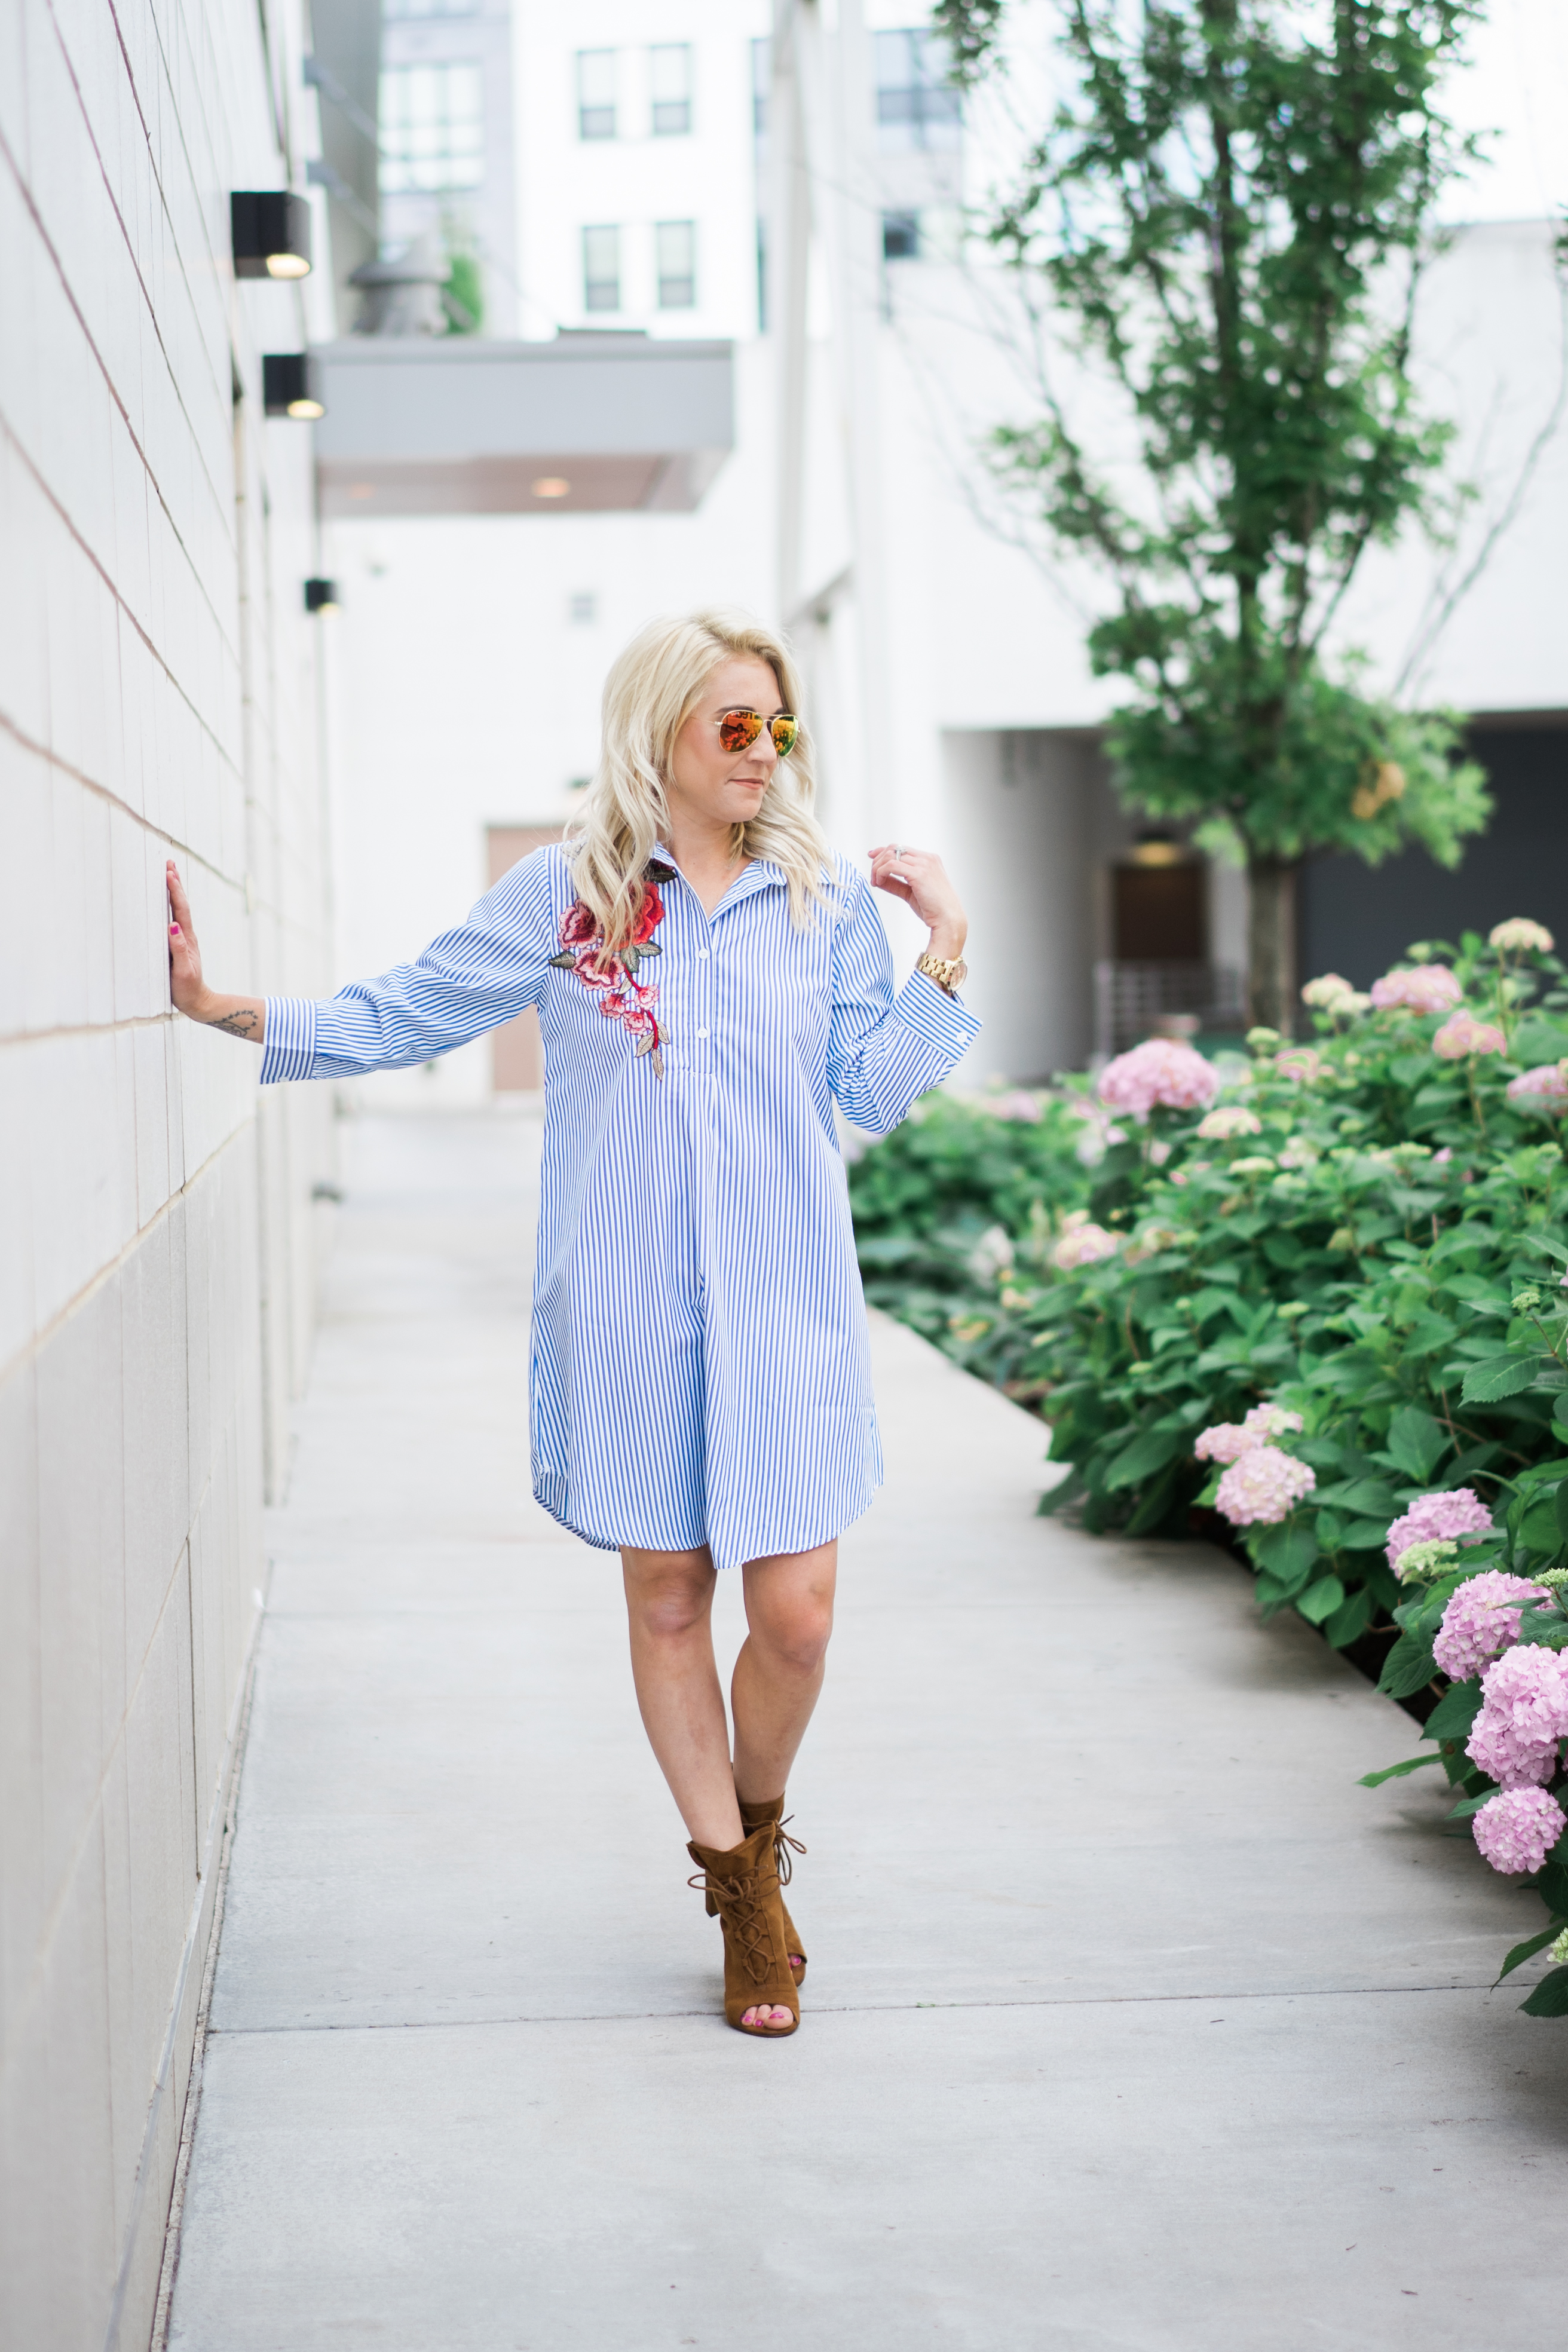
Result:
[[621, 995]]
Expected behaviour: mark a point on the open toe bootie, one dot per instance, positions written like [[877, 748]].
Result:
[[743, 1885], [769, 1813]]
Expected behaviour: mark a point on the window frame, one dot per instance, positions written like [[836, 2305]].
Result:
[[402, 165], [659, 106], [604, 114], [935, 103], [590, 281], [664, 277]]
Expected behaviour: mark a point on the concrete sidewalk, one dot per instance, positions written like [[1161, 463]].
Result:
[[1132, 2021]]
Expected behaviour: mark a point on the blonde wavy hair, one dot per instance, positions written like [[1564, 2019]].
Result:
[[653, 687]]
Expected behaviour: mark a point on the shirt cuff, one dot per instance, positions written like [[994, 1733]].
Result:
[[288, 1048], [937, 1018]]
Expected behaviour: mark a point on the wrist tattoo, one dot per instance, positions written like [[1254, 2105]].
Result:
[[236, 1024]]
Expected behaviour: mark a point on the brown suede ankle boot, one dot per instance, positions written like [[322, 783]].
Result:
[[744, 1885], [752, 1817]]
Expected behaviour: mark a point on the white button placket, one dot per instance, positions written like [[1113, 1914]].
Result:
[[701, 996]]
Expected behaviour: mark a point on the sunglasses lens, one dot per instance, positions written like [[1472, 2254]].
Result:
[[739, 728], [785, 731]]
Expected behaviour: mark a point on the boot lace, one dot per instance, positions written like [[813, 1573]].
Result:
[[743, 1913], [783, 1859]]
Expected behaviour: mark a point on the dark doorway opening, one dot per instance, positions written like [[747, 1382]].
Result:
[[1359, 919]]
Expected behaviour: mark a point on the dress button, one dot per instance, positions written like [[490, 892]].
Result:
[[702, 955], [702, 1032]]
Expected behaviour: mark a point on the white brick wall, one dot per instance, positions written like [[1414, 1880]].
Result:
[[159, 696]]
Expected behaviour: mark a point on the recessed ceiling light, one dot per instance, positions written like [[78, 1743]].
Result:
[[550, 486]]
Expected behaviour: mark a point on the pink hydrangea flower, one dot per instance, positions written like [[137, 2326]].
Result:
[[1462, 1034], [1227, 1441], [1325, 993], [1422, 988], [1262, 1485], [1084, 1244], [1266, 1421], [1518, 1829], [1524, 1714], [1518, 934], [1481, 1621], [1230, 1119], [1460, 1511], [1544, 1088], [1302, 1063], [1018, 1106], [1161, 1070]]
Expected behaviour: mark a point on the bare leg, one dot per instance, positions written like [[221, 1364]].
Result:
[[669, 1606], [670, 1602], [778, 1674]]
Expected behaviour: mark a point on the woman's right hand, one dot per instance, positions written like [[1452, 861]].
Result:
[[186, 985], [240, 1016]]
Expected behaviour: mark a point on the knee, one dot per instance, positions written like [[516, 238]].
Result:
[[796, 1636], [669, 1611]]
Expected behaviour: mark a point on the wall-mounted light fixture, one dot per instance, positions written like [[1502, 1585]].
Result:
[[1157, 849], [321, 596], [270, 230], [290, 385], [550, 486]]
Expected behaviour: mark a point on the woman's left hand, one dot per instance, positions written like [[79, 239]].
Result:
[[918, 878]]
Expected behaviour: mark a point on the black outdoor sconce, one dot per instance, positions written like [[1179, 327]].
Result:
[[321, 596], [271, 231], [290, 385]]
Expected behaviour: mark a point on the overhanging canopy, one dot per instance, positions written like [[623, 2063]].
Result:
[[586, 423]]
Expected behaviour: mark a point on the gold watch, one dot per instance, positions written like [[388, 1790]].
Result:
[[948, 971]]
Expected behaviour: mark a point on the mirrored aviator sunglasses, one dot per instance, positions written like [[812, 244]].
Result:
[[739, 729]]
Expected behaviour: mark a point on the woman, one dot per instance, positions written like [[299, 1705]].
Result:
[[708, 985]]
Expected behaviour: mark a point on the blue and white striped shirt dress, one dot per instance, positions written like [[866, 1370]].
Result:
[[700, 1369]]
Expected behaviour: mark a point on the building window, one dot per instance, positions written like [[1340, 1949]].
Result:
[[405, 9], [670, 67], [432, 128], [901, 236], [596, 77], [917, 105], [676, 256], [583, 607], [601, 270]]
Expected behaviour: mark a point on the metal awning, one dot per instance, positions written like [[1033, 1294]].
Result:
[[586, 423]]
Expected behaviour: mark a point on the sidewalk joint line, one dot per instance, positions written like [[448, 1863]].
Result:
[[840, 2009]]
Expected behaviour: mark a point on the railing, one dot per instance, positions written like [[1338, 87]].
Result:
[[1132, 1001]]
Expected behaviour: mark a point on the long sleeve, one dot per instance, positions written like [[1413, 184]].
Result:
[[885, 1050], [467, 980]]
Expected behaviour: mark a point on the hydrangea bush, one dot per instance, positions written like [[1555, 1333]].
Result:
[[1311, 1297]]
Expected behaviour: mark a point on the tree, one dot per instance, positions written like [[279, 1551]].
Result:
[[1230, 215]]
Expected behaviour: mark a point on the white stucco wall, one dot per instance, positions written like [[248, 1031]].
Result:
[[158, 696]]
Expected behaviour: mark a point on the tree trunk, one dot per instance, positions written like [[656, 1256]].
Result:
[[1271, 980]]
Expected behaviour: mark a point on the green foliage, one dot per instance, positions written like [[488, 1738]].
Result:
[[464, 295], [1355, 1259], [1226, 220], [944, 1206], [1383, 1251]]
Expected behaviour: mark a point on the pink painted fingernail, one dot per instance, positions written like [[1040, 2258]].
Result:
[[173, 930]]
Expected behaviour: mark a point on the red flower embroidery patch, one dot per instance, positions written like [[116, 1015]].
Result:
[[622, 996]]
